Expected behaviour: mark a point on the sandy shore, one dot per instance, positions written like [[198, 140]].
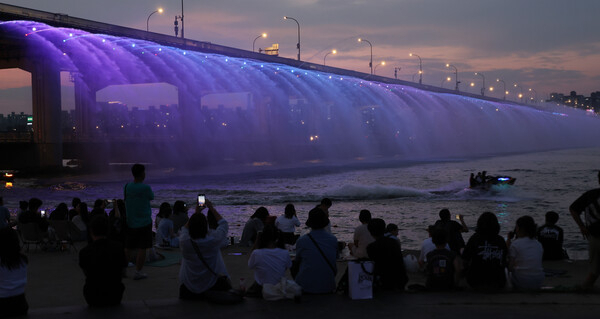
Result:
[[55, 284]]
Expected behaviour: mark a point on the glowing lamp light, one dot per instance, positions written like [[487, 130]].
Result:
[[503, 179], [34, 29], [8, 185]]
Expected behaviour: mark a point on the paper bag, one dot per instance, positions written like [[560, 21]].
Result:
[[360, 279]]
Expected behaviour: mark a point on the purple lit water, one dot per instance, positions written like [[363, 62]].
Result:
[[409, 194]]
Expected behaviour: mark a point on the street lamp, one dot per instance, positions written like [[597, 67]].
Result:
[[503, 88], [483, 87], [264, 35], [455, 75], [378, 64], [371, 60], [298, 23], [396, 70], [448, 79], [521, 90], [160, 10], [328, 53], [534, 95], [420, 67]]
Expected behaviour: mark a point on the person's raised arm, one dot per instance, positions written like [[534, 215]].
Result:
[[212, 210], [465, 228]]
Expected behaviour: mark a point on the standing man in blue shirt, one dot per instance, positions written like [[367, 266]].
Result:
[[139, 217]]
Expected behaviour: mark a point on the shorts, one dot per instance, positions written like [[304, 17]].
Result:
[[139, 238], [594, 254]]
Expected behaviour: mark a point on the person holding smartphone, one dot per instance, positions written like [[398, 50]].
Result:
[[202, 267]]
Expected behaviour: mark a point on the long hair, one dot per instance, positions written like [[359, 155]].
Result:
[[487, 225], [10, 251]]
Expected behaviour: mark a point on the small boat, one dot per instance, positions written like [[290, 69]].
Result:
[[491, 181]]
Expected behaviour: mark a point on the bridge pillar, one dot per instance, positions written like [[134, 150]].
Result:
[[85, 101], [45, 87]]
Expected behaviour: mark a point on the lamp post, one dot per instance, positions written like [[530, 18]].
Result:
[[371, 45], [420, 67], [328, 53], [298, 23], [483, 87], [378, 64], [503, 88], [534, 95], [520, 96], [448, 79], [160, 10], [264, 35], [396, 70], [448, 65]]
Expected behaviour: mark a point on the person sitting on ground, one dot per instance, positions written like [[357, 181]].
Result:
[[60, 213], [13, 275], [443, 264], [165, 235], [202, 266], [81, 220], [316, 254], [4, 215], [287, 224], [485, 255], [325, 205], [525, 256], [551, 238], [389, 272], [453, 230], [23, 207], [73, 211], [391, 231], [102, 262], [117, 222], [180, 215], [255, 224], [99, 208], [269, 260], [428, 246], [33, 216], [362, 236]]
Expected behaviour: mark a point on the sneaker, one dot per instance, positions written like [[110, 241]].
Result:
[[139, 275]]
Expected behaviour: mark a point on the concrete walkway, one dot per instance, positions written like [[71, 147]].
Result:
[[55, 285]]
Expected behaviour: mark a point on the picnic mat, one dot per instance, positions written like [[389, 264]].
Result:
[[171, 258]]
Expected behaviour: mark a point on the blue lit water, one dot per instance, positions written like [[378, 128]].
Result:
[[409, 194]]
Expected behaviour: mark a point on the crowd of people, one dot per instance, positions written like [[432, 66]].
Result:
[[486, 261]]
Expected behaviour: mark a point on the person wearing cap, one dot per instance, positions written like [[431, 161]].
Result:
[[316, 253]]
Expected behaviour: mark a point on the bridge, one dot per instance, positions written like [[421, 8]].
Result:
[[46, 150]]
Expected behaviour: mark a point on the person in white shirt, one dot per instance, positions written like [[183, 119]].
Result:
[[287, 224], [525, 256], [202, 266], [268, 261], [427, 246], [362, 236]]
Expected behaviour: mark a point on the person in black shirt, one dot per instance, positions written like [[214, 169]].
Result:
[[485, 255], [102, 262], [590, 203], [389, 271], [551, 238], [453, 230]]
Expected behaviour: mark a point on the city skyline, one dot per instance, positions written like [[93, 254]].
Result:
[[550, 46]]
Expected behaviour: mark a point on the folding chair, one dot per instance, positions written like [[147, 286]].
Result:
[[64, 232], [30, 234]]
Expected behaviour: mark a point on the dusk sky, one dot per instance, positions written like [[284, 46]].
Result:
[[548, 45]]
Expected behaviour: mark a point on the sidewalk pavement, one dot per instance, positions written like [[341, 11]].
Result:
[[55, 284]]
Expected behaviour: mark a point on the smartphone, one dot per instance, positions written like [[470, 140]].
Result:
[[201, 200], [43, 212], [457, 216]]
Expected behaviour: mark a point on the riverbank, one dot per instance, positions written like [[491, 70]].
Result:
[[55, 284]]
